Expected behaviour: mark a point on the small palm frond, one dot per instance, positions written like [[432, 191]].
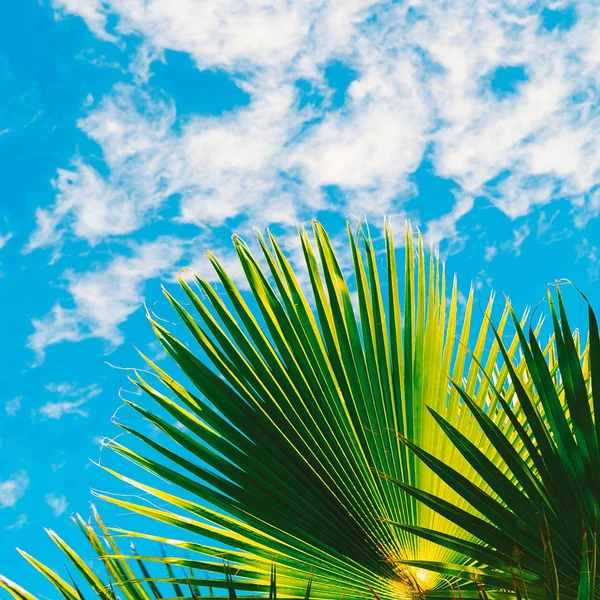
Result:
[[118, 579], [541, 514]]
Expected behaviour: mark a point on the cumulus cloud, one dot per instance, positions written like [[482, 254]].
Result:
[[215, 33], [13, 489], [219, 168], [58, 504], [499, 103], [426, 76], [104, 212], [90, 10], [94, 208]]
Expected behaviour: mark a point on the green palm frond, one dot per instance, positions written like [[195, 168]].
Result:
[[302, 401], [120, 580], [298, 399], [541, 515]]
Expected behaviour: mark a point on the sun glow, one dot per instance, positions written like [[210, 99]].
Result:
[[415, 580], [424, 579]]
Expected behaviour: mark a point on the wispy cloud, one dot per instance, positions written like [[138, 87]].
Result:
[[66, 389], [13, 489], [589, 253], [519, 236], [18, 524], [586, 208], [58, 504], [445, 227], [104, 298], [12, 406], [56, 410], [72, 400], [490, 253], [4, 239]]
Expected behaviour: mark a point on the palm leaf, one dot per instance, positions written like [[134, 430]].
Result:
[[297, 399], [329, 387], [546, 503]]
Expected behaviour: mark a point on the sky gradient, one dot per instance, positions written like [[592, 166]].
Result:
[[136, 134]]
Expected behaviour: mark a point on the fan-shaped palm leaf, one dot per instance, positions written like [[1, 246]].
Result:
[[301, 403]]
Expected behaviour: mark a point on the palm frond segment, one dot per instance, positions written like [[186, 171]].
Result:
[[539, 514]]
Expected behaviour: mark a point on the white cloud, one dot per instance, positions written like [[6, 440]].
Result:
[[374, 144], [422, 73], [18, 524], [58, 504], [90, 10], [12, 406], [219, 168], [549, 230], [103, 299], [93, 207], [4, 239], [215, 33], [422, 89], [72, 398], [105, 211], [66, 389], [513, 245], [519, 236], [13, 489], [445, 227], [59, 325], [422, 77], [56, 410], [586, 208], [589, 253], [58, 466], [490, 253]]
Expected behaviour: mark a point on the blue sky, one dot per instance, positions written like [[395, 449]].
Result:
[[135, 134]]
